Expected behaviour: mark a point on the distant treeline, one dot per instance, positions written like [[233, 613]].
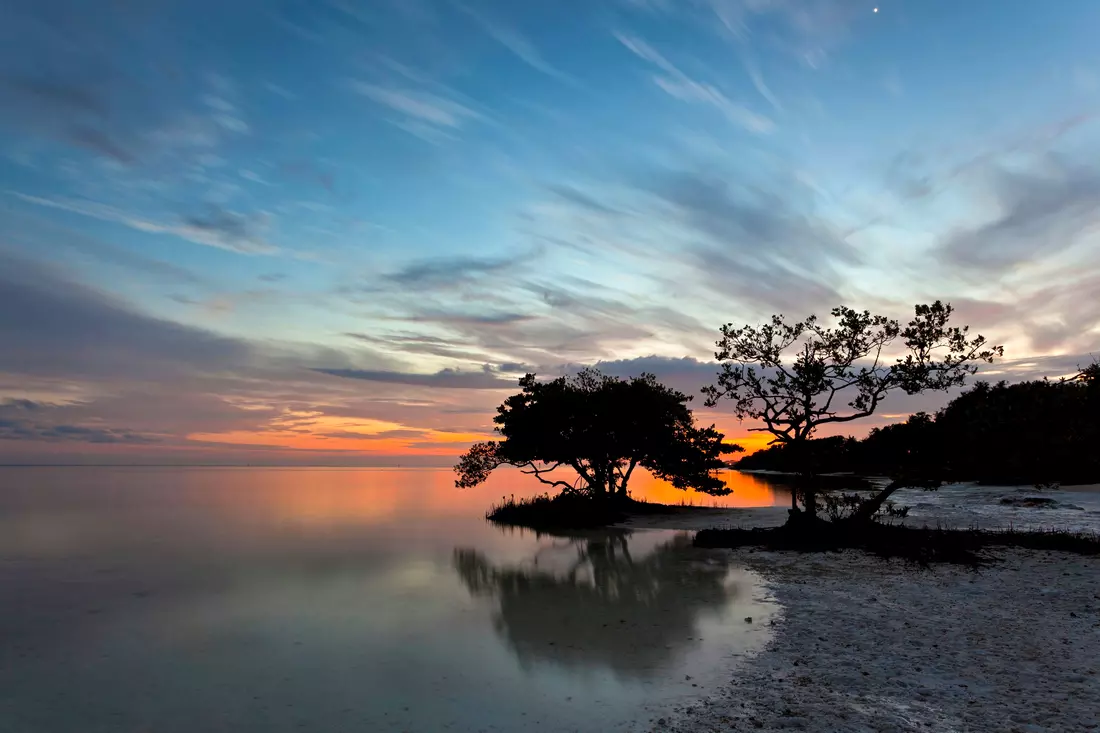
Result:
[[1042, 431]]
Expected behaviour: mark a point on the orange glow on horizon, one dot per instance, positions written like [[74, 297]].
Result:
[[314, 431], [748, 491], [375, 496]]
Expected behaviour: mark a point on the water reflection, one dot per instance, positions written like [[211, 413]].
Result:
[[602, 604], [323, 600]]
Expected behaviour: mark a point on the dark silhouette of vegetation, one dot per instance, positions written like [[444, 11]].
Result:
[[920, 545], [1036, 432], [602, 428], [793, 378], [569, 511], [563, 511], [595, 610]]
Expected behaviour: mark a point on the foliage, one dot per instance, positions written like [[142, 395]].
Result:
[[795, 377], [603, 428], [1042, 432], [841, 506], [567, 510], [919, 545]]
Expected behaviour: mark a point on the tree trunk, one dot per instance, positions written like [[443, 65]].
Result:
[[809, 498], [804, 478], [626, 478], [601, 482], [869, 508]]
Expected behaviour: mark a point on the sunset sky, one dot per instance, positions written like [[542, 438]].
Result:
[[337, 232]]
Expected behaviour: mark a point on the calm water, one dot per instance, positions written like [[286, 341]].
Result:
[[183, 600]]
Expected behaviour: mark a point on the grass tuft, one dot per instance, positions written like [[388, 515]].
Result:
[[565, 511]]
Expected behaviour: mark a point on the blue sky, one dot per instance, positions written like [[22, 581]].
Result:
[[336, 229]]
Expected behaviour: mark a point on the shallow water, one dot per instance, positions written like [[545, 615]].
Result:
[[1067, 508], [182, 600]]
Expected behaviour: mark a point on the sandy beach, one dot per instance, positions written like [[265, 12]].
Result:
[[862, 644], [868, 645]]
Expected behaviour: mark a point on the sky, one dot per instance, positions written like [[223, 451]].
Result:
[[337, 232]]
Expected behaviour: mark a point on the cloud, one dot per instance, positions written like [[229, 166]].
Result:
[[22, 419], [28, 430], [280, 91], [518, 44], [575, 196], [384, 435], [643, 50], [758, 245], [76, 113], [688, 90], [443, 379], [806, 30], [87, 367], [67, 77], [422, 344], [1062, 316], [98, 141], [687, 373], [219, 228], [680, 86], [53, 326], [419, 106], [469, 319], [442, 271], [43, 234], [1041, 211], [228, 230]]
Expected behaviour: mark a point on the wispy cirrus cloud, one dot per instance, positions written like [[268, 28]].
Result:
[[1041, 211], [424, 114], [444, 271], [679, 85], [218, 228], [576, 196], [807, 30], [520, 45], [443, 379]]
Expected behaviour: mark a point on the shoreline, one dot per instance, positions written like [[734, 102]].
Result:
[[865, 644], [961, 506], [695, 518]]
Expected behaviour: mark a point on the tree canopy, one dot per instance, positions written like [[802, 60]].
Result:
[[1037, 432], [602, 428], [795, 377]]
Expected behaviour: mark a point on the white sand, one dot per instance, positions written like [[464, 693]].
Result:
[[869, 645], [864, 644]]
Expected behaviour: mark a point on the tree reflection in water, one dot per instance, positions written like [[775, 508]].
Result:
[[609, 608]]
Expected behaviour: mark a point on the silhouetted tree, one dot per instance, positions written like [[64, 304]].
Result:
[[1035, 432], [819, 455], [795, 377], [1039, 431], [603, 428]]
